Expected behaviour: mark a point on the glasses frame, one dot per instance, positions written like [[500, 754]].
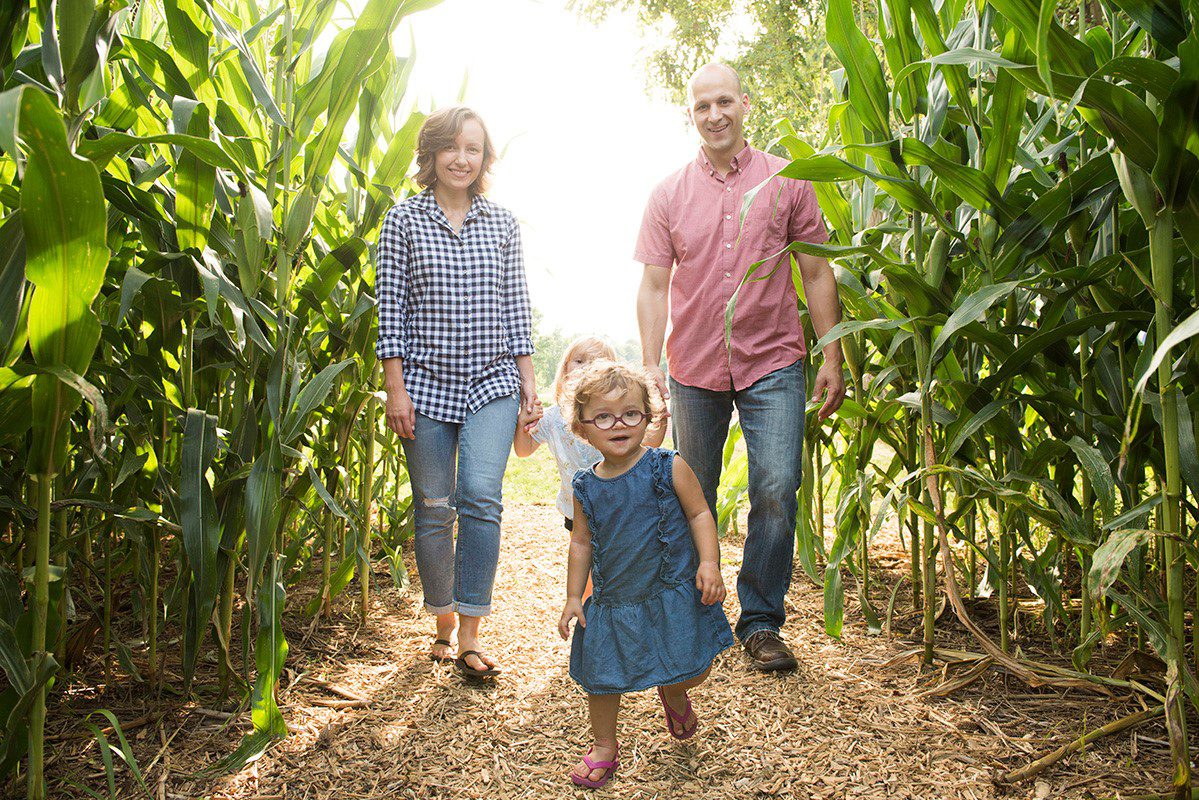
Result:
[[641, 417]]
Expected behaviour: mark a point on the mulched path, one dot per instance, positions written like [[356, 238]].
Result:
[[372, 717]]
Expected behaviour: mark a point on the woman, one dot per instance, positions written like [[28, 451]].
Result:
[[455, 339]]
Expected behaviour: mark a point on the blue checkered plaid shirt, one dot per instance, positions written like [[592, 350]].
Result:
[[453, 306]]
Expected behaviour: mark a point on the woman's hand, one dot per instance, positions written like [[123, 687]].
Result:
[[709, 583], [526, 419], [528, 395], [401, 414], [573, 610]]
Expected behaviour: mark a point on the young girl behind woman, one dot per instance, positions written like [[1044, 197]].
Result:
[[642, 526], [570, 452]]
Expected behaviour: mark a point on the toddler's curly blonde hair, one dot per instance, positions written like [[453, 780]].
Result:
[[602, 377]]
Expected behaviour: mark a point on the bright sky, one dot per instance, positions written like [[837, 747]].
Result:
[[582, 141]]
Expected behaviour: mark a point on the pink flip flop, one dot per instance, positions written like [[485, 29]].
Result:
[[688, 720], [609, 766]]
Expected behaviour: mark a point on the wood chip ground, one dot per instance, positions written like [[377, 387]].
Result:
[[372, 717]]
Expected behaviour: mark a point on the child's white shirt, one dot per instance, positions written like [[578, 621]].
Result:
[[571, 453]]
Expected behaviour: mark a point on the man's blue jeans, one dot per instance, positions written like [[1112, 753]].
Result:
[[457, 473], [771, 412]]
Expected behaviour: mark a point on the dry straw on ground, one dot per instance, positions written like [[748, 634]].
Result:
[[372, 717]]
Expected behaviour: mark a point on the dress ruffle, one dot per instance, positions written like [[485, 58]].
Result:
[[664, 639]]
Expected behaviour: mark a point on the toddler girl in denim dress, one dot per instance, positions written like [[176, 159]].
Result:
[[643, 529], [570, 452]]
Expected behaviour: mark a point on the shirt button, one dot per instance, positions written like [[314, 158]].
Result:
[[728, 245], [728, 274], [728, 216], [729, 189]]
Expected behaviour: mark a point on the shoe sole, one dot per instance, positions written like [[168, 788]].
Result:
[[779, 665]]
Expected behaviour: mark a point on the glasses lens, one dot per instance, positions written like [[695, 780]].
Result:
[[632, 418], [604, 421]]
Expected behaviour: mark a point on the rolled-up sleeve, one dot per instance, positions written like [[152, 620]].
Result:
[[519, 311], [391, 287], [654, 246]]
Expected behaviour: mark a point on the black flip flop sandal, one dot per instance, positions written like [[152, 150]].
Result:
[[467, 671], [442, 659]]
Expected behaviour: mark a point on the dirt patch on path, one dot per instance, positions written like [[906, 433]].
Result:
[[843, 726]]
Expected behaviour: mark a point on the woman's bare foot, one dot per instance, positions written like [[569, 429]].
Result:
[[468, 639], [445, 631]]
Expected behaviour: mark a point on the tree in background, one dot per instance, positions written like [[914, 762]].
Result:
[[782, 55]]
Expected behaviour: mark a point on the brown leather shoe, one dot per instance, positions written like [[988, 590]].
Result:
[[768, 652]]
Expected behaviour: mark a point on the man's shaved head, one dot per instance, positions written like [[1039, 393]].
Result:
[[712, 69]]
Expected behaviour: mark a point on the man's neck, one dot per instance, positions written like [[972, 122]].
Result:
[[722, 160]]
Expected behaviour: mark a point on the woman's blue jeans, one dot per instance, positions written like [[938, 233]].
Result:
[[457, 474], [771, 412]]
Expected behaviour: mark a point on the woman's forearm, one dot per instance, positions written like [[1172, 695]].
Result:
[[524, 364], [393, 374]]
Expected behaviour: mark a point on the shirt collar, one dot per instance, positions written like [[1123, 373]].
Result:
[[739, 162], [428, 203]]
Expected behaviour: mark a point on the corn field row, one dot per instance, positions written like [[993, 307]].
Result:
[[187, 415], [187, 419], [1011, 189]]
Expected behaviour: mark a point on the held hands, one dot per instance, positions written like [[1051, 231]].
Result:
[[401, 414], [527, 420], [572, 610], [709, 583]]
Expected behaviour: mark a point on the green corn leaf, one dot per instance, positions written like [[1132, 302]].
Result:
[[312, 395], [1099, 473], [64, 222], [1178, 138], [201, 530], [1163, 19], [867, 86], [972, 309], [195, 183], [1108, 559], [1183, 331]]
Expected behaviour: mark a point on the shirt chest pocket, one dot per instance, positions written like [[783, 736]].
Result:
[[764, 230]]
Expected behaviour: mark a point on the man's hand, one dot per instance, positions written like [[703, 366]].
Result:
[[659, 377], [830, 384], [401, 414]]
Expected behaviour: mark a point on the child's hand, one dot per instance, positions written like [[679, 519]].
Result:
[[528, 420], [573, 610], [709, 583]]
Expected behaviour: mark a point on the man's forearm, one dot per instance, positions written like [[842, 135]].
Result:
[[652, 313], [824, 305]]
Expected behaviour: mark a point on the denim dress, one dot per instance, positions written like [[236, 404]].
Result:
[[646, 626]]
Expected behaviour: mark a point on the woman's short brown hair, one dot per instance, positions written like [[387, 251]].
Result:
[[440, 130]]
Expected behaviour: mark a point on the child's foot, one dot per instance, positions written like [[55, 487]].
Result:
[[597, 767], [681, 721]]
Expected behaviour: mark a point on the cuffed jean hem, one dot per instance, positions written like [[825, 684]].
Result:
[[468, 610], [754, 628], [465, 609]]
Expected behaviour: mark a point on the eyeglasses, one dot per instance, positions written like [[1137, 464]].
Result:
[[606, 421]]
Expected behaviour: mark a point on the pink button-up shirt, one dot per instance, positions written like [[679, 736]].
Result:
[[692, 226]]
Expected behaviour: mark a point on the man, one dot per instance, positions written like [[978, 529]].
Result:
[[696, 254]]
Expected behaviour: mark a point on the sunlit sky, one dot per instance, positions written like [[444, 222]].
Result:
[[583, 142]]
